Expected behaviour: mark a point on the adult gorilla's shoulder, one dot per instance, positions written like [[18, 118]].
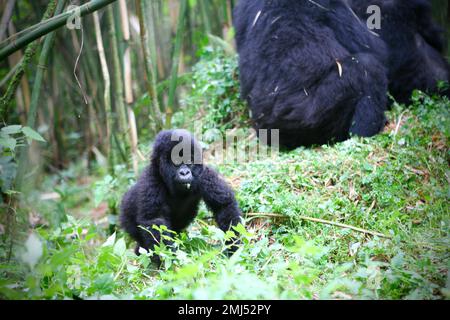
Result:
[[311, 69]]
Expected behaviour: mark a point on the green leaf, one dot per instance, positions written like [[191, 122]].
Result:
[[30, 133], [241, 229], [7, 142], [120, 247], [104, 283], [13, 129], [110, 241]]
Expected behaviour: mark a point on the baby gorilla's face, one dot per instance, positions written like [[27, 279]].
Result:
[[179, 160], [181, 178]]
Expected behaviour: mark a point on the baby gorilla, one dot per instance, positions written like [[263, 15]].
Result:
[[170, 189]]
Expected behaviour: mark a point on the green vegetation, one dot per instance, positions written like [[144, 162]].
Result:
[[362, 219], [396, 183], [214, 99]]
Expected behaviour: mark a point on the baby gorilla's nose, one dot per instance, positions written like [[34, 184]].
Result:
[[185, 173]]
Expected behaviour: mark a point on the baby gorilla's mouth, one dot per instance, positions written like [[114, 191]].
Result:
[[187, 185], [184, 177]]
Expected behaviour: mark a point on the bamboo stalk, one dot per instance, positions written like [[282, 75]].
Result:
[[118, 84], [150, 14], [50, 25], [30, 51], [125, 24], [53, 120], [161, 36], [124, 19], [31, 120], [95, 84], [155, 110], [134, 139], [23, 94], [127, 75], [42, 66], [205, 18], [229, 13], [152, 22], [175, 63], [107, 90], [6, 17], [128, 85]]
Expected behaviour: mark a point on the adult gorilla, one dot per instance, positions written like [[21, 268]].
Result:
[[311, 69], [169, 191], [414, 43]]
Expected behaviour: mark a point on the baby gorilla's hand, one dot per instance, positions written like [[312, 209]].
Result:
[[231, 246]]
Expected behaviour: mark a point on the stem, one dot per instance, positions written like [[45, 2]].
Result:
[[205, 18], [337, 224], [118, 92], [107, 90]]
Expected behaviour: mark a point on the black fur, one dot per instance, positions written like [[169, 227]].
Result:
[[289, 60], [415, 45], [160, 197]]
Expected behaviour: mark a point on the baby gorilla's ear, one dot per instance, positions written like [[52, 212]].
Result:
[[161, 147]]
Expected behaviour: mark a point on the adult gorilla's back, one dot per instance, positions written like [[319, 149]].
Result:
[[415, 45], [311, 69]]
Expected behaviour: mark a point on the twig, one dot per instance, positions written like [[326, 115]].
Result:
[[337, 224], [76, 65], [122, 265], [10, 73], [399, 122]]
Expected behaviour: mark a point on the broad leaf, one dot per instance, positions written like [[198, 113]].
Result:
[[120, 247], [30, 133], [8, 142], [13, 129]]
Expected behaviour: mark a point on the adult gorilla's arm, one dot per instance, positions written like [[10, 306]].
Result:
[[219, 198], [430, 31]]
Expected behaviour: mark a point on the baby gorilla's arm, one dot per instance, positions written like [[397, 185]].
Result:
[[149, 236], [152, 210], [219, 198]]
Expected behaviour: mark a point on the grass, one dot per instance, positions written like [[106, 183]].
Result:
[[396, 183]]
